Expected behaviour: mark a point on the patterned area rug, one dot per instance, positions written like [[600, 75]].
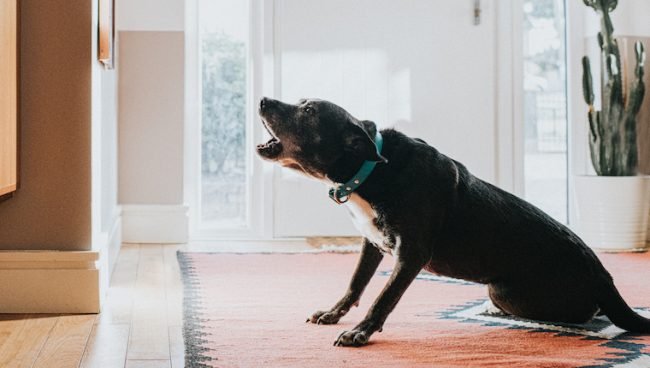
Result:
[[249, 311]]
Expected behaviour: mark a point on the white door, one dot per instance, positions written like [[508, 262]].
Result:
[[422, 66]]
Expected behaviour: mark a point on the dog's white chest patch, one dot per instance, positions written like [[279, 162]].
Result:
[[363, 217]]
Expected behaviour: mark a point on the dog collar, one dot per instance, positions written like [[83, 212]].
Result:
[[340, 193]]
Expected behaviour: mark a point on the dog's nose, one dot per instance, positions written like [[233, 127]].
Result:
[[266, 103]]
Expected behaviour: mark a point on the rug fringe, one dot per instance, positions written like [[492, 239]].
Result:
[[195, 350]]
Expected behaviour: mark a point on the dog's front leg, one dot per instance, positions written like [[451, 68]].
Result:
[[406, 268], [366, 267]]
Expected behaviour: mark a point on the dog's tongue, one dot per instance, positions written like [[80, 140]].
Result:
[[270, 149]]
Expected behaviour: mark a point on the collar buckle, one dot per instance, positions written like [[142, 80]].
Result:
[[337, 198]]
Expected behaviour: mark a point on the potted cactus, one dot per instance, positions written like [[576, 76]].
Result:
[[613, 206]]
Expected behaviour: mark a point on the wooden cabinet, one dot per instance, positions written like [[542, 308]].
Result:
[[9, 65]]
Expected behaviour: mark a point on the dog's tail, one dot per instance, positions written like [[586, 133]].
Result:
[[613, 306]]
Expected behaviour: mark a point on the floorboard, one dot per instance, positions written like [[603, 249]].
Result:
[[106, 346], [66, 342], [23, 346], [140, 325]]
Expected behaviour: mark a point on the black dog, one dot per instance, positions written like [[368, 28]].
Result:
[[429, 212]]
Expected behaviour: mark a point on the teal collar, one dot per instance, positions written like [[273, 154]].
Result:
[[340, 193]]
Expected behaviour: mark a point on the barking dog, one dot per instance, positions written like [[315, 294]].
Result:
[[411, 201]]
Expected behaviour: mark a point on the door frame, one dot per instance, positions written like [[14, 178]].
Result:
[[578, 144], [259, 80], [509, 97]]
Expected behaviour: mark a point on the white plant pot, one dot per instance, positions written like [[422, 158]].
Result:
[[613, 211]]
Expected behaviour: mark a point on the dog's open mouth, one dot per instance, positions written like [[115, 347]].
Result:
[[272, 148]]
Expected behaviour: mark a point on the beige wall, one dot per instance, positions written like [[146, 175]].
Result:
[[52, 208], [150, 15], [151, 90], [151, 120]]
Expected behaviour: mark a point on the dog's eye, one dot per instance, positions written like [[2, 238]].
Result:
[[309, 110]]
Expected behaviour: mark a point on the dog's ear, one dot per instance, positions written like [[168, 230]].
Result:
[[360, 141]]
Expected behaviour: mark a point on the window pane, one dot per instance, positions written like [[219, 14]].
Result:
[[545, 163], [224, 39]]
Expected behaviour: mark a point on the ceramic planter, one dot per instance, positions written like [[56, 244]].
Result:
[[613, 211]]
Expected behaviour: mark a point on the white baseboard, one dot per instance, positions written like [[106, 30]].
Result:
[[155, 224], [114, 240], [49, 282], [108, 245]]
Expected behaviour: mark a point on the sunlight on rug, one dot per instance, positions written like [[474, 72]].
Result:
[[249, 311]]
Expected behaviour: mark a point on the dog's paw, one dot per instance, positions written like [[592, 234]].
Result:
[[352, 338], [325, 318]]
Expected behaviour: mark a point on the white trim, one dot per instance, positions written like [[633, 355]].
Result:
[[107, 245], [576, 114], [263, 51], [49, 282], [509, 91], [114, 243], [264, 46], [154, 224], [191, 164]]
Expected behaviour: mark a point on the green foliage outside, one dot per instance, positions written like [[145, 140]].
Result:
[[224, 104], [223, 145]]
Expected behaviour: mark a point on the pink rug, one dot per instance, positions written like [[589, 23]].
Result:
[[250, 310]]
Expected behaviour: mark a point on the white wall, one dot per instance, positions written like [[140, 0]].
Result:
[[105, 212], [108, 128], [630, 18], [413, 65]]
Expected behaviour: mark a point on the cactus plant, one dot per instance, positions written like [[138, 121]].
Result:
[[612, 129]]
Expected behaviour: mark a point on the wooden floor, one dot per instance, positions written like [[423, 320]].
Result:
[[141, 320]]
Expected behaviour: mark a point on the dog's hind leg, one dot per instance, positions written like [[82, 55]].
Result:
[[544, 302], [366, 267]]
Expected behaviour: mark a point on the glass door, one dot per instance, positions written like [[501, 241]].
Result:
[[224, 189], [545, 106]]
